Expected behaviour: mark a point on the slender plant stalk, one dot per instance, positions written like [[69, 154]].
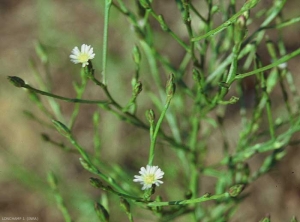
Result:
[[107, 6], [75, 100], [156, 130], [274, 64]]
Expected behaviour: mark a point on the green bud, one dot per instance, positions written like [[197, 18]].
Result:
[[96, 117], [240, 29], [101, 212], [52, 180], [158, 198], [150, 115], [148, 193], [241, 22], [266, 219], [196, 75], [125, 205], [16, 81], [162, 23], [271, 48], [136, 54], [89, 70], [87, 166], [45, 137], [145, 4], [133, 82], [233, 100], [41, 52], [29, 114], [137, 88], [246, 14], [280, 155], [207, 195], [188, 194], [170, 87], [141, 10], [62, 129], [224, 85], [294, 219], [95, 182], [235, 190], [215, 9], [250, 4]]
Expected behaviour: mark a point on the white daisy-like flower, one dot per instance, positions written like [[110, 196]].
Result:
[[82, 56], [148, 176]]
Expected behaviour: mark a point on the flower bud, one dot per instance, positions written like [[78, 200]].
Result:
[[162, 23], [137, 88], [294, 219], [233, 100], [240, 29], [145, 4], [271, 48], [45, 137], [206, 195], [235, 190], [87, 166], [52, 180], [196, 75], [101, 212], [95, 182], [150, 115], [89, 70], [266, 219], [16, 81], [188, 194], [41, 52], [170, 87], [136, 54], [62, 129], [125, 205]]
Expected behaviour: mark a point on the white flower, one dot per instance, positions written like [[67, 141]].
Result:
[[82, 56], [149, 175]]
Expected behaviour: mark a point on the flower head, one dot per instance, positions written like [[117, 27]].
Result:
[[82, 56], [148, 176]]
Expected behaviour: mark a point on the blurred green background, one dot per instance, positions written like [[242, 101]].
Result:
[[25, 159]]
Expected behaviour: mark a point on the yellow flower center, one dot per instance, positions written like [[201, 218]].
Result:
[[149, 179], [83, 57]]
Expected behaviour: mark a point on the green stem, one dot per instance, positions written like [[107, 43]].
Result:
[[108, 4], [274, 64], [26, 86], [247, 6], [222, 66], [53, 104], [192, 201], [58, 197], [156, 131], [79, 91], [282, 24], [168, 30], [92, 167], [268, 104], [197, 13], [281, 141], [188, 24]]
